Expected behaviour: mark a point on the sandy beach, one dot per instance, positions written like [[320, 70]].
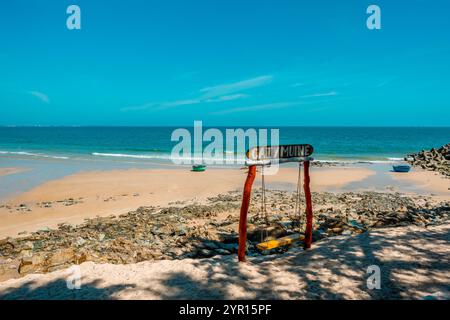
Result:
[[414, 264], [434, 182], [182, 226], [147, 148], [102, 193]]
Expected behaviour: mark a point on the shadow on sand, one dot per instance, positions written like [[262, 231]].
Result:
[[329, 271], [57, 290]]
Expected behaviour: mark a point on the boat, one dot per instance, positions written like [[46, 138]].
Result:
[[198, 168], [401, 168]]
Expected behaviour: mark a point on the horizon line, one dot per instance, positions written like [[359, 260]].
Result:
[[220, 126]]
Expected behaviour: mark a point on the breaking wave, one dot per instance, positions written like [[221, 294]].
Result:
[[30, 154]]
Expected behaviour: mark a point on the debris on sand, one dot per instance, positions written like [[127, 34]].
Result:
[[206, 230]]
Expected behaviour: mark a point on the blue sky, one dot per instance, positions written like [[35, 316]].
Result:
[[229, 63]]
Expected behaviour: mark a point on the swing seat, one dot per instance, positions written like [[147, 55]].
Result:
[[281, 242]]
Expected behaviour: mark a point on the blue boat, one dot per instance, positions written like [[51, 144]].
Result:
[[401, 168]]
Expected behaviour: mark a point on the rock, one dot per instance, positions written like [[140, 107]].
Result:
[[198, 231], [32, 264], [26, 253], [318, 234], [336, 230], [80, 242], [181, 231], [355, 224], [210, 245], [222, 251], [62, 257], [204, 253], [26, 265], [232, 247], [175, 252], [8, 271], [434, 160], [157, 255]]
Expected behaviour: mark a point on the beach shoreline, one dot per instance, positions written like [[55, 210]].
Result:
[[88, 194], [76, 197]]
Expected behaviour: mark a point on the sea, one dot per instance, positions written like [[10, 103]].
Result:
[[154, 144], [47, 153]]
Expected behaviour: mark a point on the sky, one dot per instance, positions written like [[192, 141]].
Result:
[[225, 62]]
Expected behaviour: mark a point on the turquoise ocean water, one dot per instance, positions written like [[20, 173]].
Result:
[[147, 144], [48, 153]]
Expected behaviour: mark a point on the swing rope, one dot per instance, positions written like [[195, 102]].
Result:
[[263, 216], [264, 206], [297, 212]]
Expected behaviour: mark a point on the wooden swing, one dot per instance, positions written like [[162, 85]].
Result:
[[266, 156], [287, 240]]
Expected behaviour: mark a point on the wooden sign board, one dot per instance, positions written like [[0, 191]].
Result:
[[280, 152]]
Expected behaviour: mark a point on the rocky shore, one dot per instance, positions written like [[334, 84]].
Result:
[[434, 160], [190, 230]]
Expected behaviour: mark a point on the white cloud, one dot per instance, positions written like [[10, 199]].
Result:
[[267, 106], [220, 93], [229, 88], [41, 96], [176, 103], [228, 97], [280, 105], [179, 103], [326, 94]]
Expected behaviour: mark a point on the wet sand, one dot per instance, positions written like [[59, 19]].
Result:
[[102, 193], [432, 181], [8, 171]]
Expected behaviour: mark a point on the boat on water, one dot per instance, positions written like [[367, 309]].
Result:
[[401, 168], [198, 168]]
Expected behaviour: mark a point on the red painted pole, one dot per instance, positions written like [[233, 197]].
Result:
[[244, 210], [309, 212]]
